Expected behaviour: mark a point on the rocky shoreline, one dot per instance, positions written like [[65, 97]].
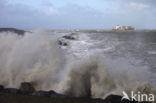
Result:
[[14, 30], [27, 94]]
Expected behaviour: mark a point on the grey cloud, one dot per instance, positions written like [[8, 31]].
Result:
[[73, 16], [148, 2], [18, 15], [47, 3]]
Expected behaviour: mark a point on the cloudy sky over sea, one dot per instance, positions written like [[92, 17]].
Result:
[[77, 14]]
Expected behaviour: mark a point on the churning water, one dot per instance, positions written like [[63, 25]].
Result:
[[93, 64]]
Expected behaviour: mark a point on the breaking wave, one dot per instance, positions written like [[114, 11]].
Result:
[[34, 57], [95, 77], [37, 58]]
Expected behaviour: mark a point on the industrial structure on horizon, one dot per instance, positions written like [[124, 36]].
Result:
[[118, 27]]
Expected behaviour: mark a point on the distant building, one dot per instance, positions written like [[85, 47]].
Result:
[[118, 27]]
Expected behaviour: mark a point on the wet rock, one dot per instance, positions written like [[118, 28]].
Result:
[[54, 94], [11, 90], [19, 32], [51, 93], [113, 99], [117, 99], [42, 93], [1, 87], [69, 37], [62, 43], [27, 88]]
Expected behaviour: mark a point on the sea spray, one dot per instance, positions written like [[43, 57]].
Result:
[[96, 78], [37, 58]]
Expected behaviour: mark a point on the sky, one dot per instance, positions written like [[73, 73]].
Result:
[[77, 14]]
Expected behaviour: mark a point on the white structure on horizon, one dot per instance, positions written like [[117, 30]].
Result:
[[118, 27]]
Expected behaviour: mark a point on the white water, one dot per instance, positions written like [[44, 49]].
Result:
[[87, 66]]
